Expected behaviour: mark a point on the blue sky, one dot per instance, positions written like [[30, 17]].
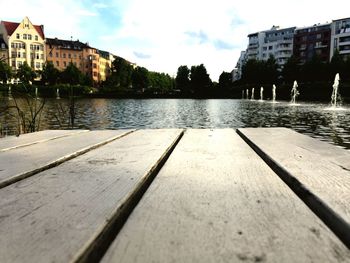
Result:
[[161, 35]]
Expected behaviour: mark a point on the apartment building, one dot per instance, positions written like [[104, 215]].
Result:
[[340, 39], [278, 43], [237, 71], [62, 52], [105, 65], [311, 41], [25, 43]]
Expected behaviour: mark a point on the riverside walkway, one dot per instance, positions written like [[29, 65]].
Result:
[[173, 195]]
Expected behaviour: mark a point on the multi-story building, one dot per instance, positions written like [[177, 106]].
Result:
[[105, 65], [340, 39], [91, 63], [3, 51], [254, 45], [25, 43], [63, 52], [311, 41], [237, 72], [279, 44]]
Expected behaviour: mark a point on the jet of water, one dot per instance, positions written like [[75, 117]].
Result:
[[294, 92], [252, 94], [247, 93], [261, 93], [58, 94], [335, 95], [273, 93]]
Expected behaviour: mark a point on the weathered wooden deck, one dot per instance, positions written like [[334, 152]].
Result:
[[172, 195]]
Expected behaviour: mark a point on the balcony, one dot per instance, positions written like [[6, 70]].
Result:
[[345, 43], [320, 46]]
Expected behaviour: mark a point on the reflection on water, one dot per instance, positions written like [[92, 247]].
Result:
[[307, 118]]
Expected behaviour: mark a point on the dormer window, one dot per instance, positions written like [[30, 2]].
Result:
[[17, 36], [30, 37], [36, 38]]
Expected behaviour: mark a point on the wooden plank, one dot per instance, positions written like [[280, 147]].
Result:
[[318, 172], [57, 215], [215, 200], [20, 163], [13, 142]]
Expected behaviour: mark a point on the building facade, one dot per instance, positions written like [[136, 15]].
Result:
[[340, 39], [105, 65], [311, 41], [25, 43], [63, 52], [237, 71], [279, 44]]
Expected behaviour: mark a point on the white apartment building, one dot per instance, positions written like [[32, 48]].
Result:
[[278, 43], [237, 71], [340, 37]]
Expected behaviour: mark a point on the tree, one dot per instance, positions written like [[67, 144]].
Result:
[[140, 80], [25, 73], [270, 70], [121, 74], [182, 79], [200, 81], [72, 75], [50, 74], [337, 64], [225, 81], [291, 69], [5, 72]]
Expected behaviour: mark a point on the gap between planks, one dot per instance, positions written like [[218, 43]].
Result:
[[97, 248], [331, 218]]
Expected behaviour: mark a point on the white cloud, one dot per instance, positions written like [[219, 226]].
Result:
[[158, 28]]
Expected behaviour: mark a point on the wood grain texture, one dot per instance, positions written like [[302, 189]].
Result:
[[26, 161], [317, 171], [13, 142], [215, 200], [56, 215]]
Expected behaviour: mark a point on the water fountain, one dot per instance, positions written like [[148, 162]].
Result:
[[273, 93], [36, 92], [9, 92], [335, 95], [261, 94], [252, 97], [294, 93], [242, 94], [58, 94], [247, 93]]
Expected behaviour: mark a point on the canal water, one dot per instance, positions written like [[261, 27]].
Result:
[[312, 119]]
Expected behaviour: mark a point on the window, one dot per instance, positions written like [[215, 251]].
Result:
[[19, 54], [32, 55], [270, 47], [69, 55], [36, 38], [17, 36], [2, 45], [24, 36], [318, 36], [23, 54], [50, 54], [264, 48], [30, 37], [57, 63], [64, 63], [57, 55], [75, 55], [19, 63], [12, 45], [13, 63], [37, 65], [95, 74], [13, 54], [37, 56], [42, 56], [23, 45], [64, 55]]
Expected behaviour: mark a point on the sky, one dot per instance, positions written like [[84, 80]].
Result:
[[162, 35]]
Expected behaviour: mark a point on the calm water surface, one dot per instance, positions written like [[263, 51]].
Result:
[[307, 118]]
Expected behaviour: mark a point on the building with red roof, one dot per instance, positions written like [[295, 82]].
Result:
[[25, 43]]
